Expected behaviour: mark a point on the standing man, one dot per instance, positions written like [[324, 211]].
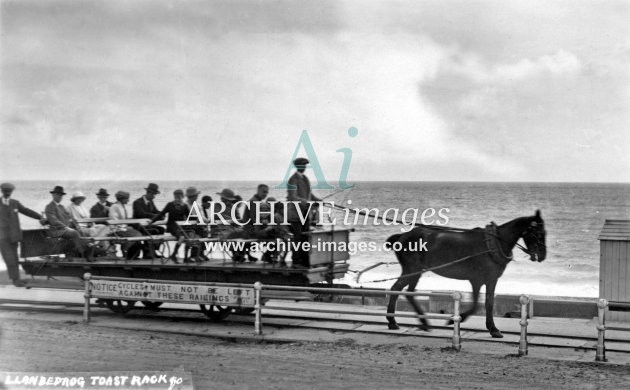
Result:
[[300, 191], [61, 223], [144, 207], [10, 231], [101, 208]]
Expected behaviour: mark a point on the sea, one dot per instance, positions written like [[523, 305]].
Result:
[[574, 214]]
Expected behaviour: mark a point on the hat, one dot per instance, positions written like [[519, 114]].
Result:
[[192, 191], [178, 192], [77, 195], [122, 195], [301, 162], [7, 186], [102, 192], [58, 190], [152, 187], [227, 194]]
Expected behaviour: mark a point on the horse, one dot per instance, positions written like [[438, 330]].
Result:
[[477, 255]]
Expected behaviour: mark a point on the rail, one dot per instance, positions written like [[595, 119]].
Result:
[[602, 306]]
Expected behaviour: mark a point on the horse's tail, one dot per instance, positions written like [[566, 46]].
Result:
[[392, 239]]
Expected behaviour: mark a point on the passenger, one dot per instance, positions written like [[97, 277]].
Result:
[[249, 213], [206, 202], [119, 211], [144, 207], [300, 191], [101, 208], [231, 214], [10, 231], [268, 230], [177, 210], [61, 223], [77, 211], [196, 252]]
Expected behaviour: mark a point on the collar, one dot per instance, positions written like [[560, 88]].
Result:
[[103, 203], [494, 246], [146, 201]]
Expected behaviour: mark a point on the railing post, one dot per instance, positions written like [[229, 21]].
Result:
[[600, 355], [86, 295], [257, 308], [457, 297], [522, 346]]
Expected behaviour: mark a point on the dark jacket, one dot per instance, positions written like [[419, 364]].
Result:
[[176, 212], [99, 211], [301, 192], [142, 209], [10, 221], [58, 217]]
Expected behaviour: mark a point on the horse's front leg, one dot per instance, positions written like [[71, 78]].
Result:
[[391, 307], [476, 286], [424, 324], [496, 333]]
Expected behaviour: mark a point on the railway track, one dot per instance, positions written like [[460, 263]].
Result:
[[304, 319]]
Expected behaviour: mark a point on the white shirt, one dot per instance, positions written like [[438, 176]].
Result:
[[78, 211], [5, 201], [118, 211]]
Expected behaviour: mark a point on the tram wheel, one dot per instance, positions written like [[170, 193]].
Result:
[[152, 305], [216, 313], [244, 310], [119, 306]]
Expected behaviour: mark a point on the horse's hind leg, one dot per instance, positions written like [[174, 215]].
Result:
[[412, 287], [391, 307]]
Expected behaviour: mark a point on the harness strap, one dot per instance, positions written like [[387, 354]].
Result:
[[494, 248]]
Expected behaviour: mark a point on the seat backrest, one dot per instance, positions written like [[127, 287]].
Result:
[[37, 242]]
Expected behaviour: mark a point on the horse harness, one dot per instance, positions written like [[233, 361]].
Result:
[[496, 253]]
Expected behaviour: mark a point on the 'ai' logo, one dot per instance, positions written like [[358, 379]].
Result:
[[322, 184]]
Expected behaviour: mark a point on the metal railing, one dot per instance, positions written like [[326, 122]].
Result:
[[602, 306]]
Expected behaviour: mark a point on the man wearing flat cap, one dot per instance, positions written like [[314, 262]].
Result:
[[10, 232], [144, 207], [300, 191], [101, 208], [61, 223]]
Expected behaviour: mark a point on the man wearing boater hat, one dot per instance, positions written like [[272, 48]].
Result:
[[61, 223], [101, 208], [10, 232], [300, 191], [144, 207]]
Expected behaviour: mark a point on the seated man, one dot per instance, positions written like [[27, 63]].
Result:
[[177, 210], [101, 208], [231, 214], [144, 207], [61, 223], [119, 211]]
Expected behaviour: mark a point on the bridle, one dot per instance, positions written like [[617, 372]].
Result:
[[530, 234]]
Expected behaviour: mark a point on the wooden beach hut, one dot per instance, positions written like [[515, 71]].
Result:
[[614, 266]]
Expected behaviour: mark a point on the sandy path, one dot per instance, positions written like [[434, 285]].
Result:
[[51, 346]]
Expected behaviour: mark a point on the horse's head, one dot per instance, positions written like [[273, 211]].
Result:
[[534, 237]]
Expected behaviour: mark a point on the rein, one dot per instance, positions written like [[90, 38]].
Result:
[[497, 254]]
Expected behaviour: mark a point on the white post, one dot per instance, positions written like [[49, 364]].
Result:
[[522, 346], [457, 297], [86, 305], [257, 308], [600, 355]]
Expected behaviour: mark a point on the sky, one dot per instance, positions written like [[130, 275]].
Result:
[[222, 90]]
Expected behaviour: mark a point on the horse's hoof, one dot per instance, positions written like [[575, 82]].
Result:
[[496, 334], [424, 327], [393, 326], [449, 322]]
